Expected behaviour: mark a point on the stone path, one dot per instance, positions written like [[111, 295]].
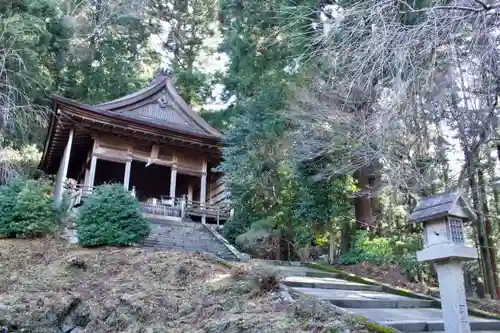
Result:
[[403, 313], [185, 236]]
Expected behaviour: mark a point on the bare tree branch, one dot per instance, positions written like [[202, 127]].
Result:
[[385, 80]]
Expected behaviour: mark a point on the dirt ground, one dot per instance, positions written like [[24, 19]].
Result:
[[47, 286]]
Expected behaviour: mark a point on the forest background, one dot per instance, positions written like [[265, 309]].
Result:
[[337, 115]]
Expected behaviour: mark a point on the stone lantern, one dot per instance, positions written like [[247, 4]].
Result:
[[444, 217]]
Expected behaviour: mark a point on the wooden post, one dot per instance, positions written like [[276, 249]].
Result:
[[126, 177], [190, 192], [86, 179], [63, 171], [173, 180], [183, 206], [93, 163], [203, 191], [217, 216]]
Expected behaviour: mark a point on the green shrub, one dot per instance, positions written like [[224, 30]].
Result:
[[259, 240], [111, 216], [235, 227], [378, 250], [27, 209], [400, 251]]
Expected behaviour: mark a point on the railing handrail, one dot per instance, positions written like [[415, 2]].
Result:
[[84, 186], [78, 191], [222, 205]]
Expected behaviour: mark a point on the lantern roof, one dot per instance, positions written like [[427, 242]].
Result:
[[442, 205]]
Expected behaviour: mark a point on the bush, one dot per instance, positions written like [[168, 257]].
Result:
[[27, 209], [384, 250], [111, 216], [377, 251], [235, 227], [260, 241], [260, 278]]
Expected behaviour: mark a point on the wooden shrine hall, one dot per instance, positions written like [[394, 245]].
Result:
[[151, 141]]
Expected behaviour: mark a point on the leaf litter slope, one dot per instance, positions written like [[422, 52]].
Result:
[[48, 287]]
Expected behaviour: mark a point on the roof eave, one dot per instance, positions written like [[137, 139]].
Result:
[[49, 136], [116, 116], [163, 82]]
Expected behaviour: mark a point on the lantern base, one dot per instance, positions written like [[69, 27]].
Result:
[[453, 300], [446, 252]]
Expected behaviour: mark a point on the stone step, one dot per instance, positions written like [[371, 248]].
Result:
[[222, 254], [185, 236], [403, 313], [304, 271], [193, 247], [475, 331], [366, 299], [229, 258], [207, 246], [327, 283], [188, 248], [420, 320]]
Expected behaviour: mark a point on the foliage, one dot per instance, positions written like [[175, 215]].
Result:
[[250, 160], [259, 240], [25, 39], [27, 209], [376, 251], [87, 50], [110, 55], [17, 162], [186, 31], [342, 115], [265, 182], [397, 250], [235, 227], [111, 216]]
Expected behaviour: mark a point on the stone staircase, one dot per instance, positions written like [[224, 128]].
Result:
[[186, 236], [405, 314]]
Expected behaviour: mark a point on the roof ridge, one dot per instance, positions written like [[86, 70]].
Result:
[[160, 82]]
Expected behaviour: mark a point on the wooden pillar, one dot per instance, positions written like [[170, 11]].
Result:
[[63, 170], [87, 177], [126, 177], [190, 192], [93, 163], [203, 190], [173, 180], [183, 206]]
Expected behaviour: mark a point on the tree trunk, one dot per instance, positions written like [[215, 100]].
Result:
[[375, 180], [488, 228], [496, 192], [362, 202], [331, 254], [345, 238], [277, 241], [483, 242]]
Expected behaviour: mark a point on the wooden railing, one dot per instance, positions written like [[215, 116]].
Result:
[[75, 193], [165, 206], [221, 211]]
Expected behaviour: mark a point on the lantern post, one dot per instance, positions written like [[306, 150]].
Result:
[[444, 217]]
